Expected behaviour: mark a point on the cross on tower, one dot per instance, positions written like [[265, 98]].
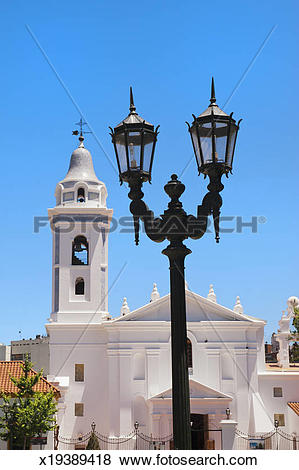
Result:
[[81, 124]]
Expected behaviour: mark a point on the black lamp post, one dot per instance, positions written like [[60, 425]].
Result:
[[213, 136]]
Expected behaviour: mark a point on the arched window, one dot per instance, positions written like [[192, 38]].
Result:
[[81, 195], [189, 354], [79, 286], [80, 251]]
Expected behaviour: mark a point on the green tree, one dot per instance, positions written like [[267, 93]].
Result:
[[93, 442], [296, 320], [28, 413], [294, 352]]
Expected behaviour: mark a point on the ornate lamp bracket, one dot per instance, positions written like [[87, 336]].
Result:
[[175, 224]]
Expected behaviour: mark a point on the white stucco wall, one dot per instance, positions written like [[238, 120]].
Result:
[[4, 352], [289, 382]]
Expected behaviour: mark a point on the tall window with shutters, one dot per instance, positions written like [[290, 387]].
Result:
[[79, 372], [79, 409]]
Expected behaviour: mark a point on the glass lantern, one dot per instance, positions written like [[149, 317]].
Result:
[[214, 135], [134, 142]]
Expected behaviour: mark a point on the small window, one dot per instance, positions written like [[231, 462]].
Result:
[[79, 372], [79, 409], [189, 354], [80, 251], [17, 357], [81, 195], [21, 357], [79, 286], [280, 418], [92, 196], [69, 196], [277, 392]]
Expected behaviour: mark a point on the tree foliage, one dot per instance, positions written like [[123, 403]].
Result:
[[296, 320], [93, 442], [294, 352], [28, 413]]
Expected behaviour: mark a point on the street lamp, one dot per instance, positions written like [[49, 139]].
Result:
[[134, 142], [213, 136]]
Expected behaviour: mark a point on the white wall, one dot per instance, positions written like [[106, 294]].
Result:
[[4, 352], [289, 382]]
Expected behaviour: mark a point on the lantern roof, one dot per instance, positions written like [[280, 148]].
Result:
[[213, 107], [133, 118]]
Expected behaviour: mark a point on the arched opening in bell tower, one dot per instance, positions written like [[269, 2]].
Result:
[[81, 195], [80, 251], [79, 286]]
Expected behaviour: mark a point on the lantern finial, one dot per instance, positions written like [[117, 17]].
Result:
[[132, 106], [212, 99]]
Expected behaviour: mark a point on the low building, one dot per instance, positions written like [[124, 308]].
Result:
[[36, 349], [4, 352]]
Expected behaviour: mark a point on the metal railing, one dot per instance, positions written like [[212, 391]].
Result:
[[135, 440], [277, 439]]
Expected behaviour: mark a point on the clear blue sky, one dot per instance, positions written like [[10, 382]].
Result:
[[168, 51]]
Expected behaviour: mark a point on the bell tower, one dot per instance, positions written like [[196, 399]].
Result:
[[80, 226]]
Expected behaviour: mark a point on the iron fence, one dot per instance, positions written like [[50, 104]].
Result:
[[202, 438], [133, 441], [275, 440]]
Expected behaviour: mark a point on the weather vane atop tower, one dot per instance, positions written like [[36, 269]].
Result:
[[81, 125]]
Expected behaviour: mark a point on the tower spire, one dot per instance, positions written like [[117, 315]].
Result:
[[132, 106], [212, 99]]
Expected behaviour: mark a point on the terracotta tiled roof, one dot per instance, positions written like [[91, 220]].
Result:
[[13, 369], [294, 405]]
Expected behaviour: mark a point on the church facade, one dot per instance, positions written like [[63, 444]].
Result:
[[116, 371]]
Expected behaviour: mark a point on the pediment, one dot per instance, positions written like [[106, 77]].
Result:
[[197, 391], [198, 309]]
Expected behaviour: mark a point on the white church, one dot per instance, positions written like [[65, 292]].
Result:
[[117, 371]]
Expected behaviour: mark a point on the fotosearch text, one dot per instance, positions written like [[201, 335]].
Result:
[[125, 224]]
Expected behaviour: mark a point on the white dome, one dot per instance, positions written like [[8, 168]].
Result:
[[81, 166], [81, 187]]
